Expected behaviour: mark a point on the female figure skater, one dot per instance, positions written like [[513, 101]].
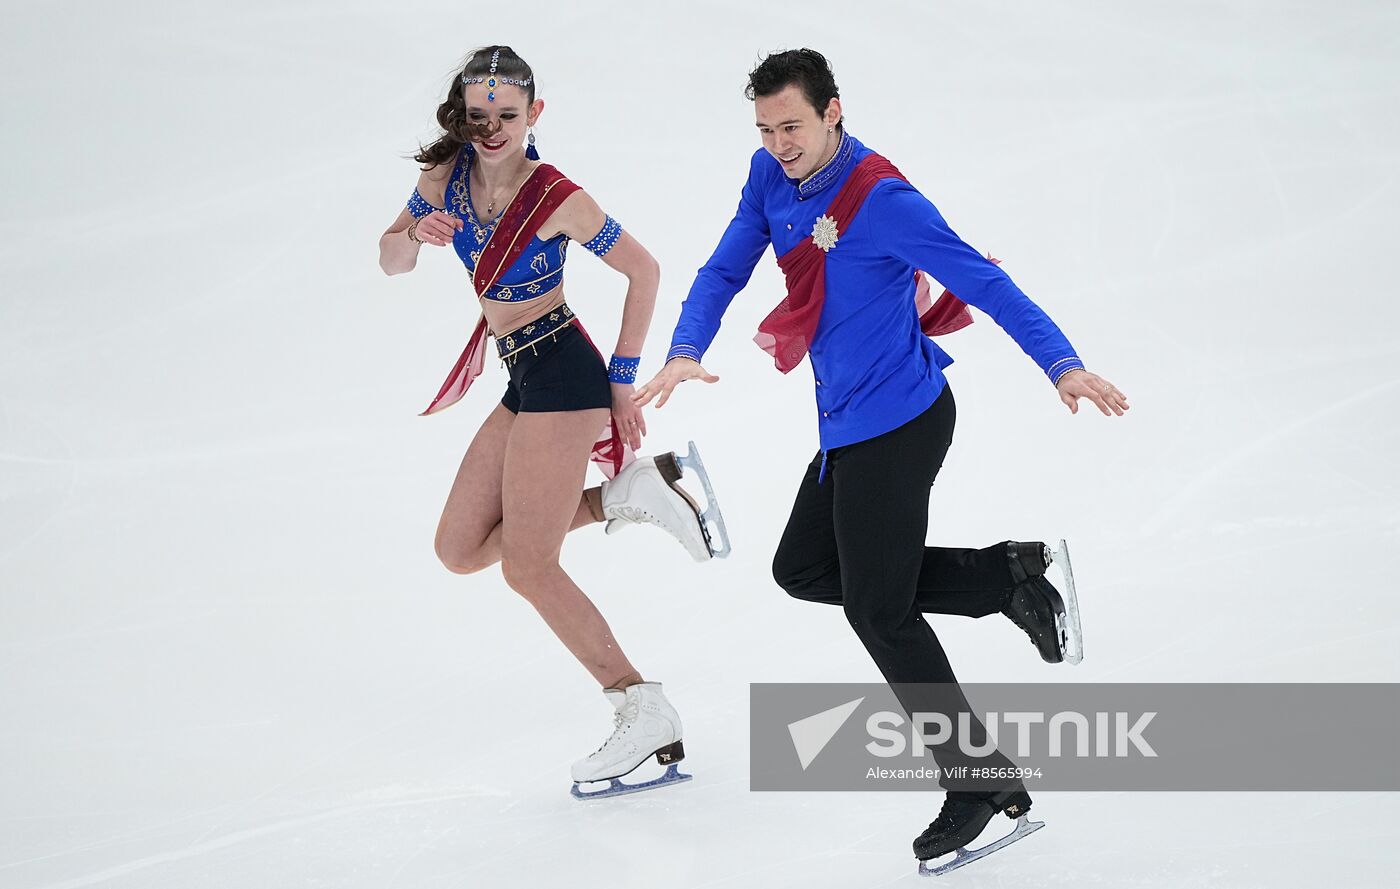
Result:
[[520, 487]]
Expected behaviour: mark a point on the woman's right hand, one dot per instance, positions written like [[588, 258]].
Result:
[[675, 372], [437, 228]]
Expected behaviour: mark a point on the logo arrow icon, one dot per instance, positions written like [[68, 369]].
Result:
[[811, 735]]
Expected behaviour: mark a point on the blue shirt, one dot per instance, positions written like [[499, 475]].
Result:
[[874, 370]]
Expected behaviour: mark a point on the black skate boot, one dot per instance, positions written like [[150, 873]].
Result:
[[1034, 603], [963, 818]]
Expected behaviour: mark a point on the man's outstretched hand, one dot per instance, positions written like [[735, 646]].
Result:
[[675, 372]]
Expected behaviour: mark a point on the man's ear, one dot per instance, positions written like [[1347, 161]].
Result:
[[833, 112]]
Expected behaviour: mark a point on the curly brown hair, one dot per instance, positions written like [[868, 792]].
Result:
[[452, 113]]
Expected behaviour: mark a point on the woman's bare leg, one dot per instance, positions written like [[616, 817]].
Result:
[[543, 472], [469, 533]]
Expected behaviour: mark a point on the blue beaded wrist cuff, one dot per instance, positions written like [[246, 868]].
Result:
[[623, 370], [606, 238], [1062, 367], [682, 350]]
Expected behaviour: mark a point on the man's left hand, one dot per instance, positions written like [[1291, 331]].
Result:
[[1081, 383]]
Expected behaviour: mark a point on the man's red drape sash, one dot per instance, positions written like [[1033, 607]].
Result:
[[787, 332]]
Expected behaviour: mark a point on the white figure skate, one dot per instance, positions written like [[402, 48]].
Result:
[[646, 492], [644, 725]]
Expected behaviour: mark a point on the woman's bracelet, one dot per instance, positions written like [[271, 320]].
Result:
[[623, 370], [413, 231]]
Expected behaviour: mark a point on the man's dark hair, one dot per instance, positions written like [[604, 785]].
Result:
[[806, 68]]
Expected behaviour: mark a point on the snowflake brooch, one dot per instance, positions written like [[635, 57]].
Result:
[[824, 232]]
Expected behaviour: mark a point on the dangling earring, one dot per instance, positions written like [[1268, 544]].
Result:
[[530, 151]]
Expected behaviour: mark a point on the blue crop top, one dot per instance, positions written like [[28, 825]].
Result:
[[539, 269]]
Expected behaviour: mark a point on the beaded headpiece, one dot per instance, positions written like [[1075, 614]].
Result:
[[491, 80]]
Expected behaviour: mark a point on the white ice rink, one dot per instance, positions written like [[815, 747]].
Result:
[[228, 655]]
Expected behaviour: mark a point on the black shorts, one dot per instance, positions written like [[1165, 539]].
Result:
[[561, 372]]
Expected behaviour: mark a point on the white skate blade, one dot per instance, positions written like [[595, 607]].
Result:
[[615, 787], [711, 519], [1067, 625], [1024, 828]]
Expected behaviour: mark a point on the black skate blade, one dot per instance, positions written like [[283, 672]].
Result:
[[1024, 828], [618, 788]]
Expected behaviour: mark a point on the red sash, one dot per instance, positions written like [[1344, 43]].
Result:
[[541, 194], [787, 332]]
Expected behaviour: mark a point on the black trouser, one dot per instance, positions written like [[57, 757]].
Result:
[[857, 540]]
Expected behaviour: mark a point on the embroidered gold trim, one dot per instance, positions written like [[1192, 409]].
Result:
[[524, 346], [828, 163], [535, 281]]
